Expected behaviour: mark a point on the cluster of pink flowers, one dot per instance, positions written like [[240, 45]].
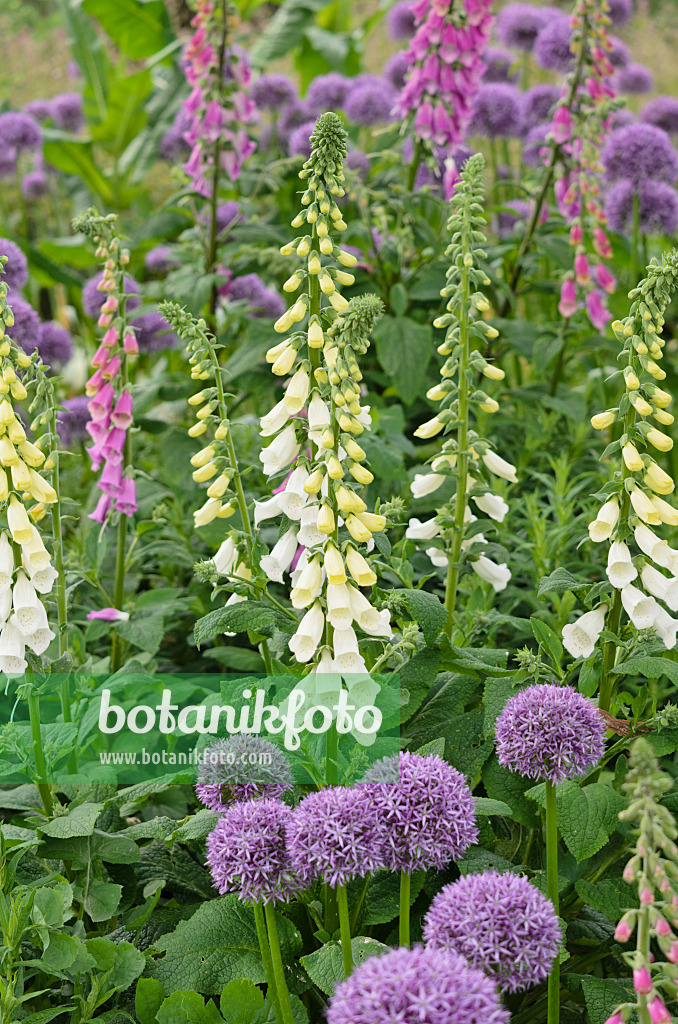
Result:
[[110, 400], [218, 107], [446, 68], [580, 128]]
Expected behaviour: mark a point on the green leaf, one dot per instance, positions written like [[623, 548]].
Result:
[[611, 896], [66, 952], [188, 1008], [495, 696], [148, 999], [78, 822], [102, 899], [416, 677], [382, 899], [649, 668], [216, 945], [427, 611], [486, 806], [120, 961], [75, 157], [240, 1001], [144, 631], [45, 1016], [198, 826], [603, 996], [436, 747], [238, 618], [547, 639], [139, 28], [587, 815], [125, 113], [502, 784], [404, 348], [559, 581], [114, 849], [465, 747], [325, 967], [284, 31]]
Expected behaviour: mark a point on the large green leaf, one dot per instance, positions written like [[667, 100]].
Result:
[[603, 996], [89, 52], [427, 611], [284, 30], [587, 815], [237, 618], [325, 967], [188, 1008], [139, 28], [648, 668], [404, 348], [125, 114], [75, 157]]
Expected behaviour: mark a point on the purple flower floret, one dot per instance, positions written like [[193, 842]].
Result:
[[264, 302], [662, 111], [34, 185], [333, 835], [396, 68], [640, 152], [657, 208], [518, 25], [619, 54], [549, 732], [498, 64], [153, 332], [26, 328], [16, 268], [160, 259], [501, 924], [93, 299], [552, 48], [401, 20], [55, 345], [635, 78], [538, 104], [247, 852], [19, 131], [72, 420], [67, 112], [299, 142], [416, 986], [425, 810], [497, 111], [619, 11], [271, 92], [370, 103], [242, 767], [298, 113], [327, 92], [39, 109]]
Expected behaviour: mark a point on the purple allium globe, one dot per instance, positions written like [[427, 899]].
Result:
[[7, 162], [635, 78], [228, 214], [67, 111], [619, 54], [242, 767], [622, 117], [39, 109], [500, 923], [662, 111], [512, 214], [518, 25], [358, 162], [153, 332], [160, 259], [498, 64], [15, 271], [26, 329], [72, 421], [549, 732], [657, 208], [296, 114], [370, 103], [552, 48], [299, 142], [396, 68], [640, 152], [328, 92], [19, 131], [538, 105], [263, 301], [34, 185], [425, 809], [247, 852], [271, 92], [497, 111], [173, 145], [55, 345], [619, 11], [416, 986], [333, 835], [401, 20], [535, 144], [93, 299]]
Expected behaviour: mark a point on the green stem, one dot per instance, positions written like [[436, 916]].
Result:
[[345, 926], [278, 969], [404, 927], [331, 755], [635, 239], [266, 959], [643, 948], [552, 890], [414, 166], [117, 645], [44, 788]]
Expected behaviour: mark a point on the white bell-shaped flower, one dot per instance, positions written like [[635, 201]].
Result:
[[664, 588], [40, 640], [500, 467], [426, 483], [281, 556], [339, 612], [274, 420], [438, 557], [266, 509], [308, 585], [43, 580], [12, 651], [293, 498], [224, 559], [309, 534], [5, 605], [666, 628], [620, 569], [422, 531], [497, 574], [602, 526], [35, 554], [492, 505], [581, 637], [641, 609], [347, 658], [281, 451], [28, 609], [318, 413], [656, 549], [305, 641], [6, 562]]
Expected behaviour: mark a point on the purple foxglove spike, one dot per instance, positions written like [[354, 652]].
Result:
[[110, 481], [126, 501], [122, 414], [100, 512]]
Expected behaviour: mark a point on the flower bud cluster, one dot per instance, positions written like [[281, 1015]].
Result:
[[653, 870], [108, 389], [464, 454]]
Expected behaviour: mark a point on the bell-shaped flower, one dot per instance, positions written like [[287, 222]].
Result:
[[581, 637], [297, 391], [641, 609], [359, 568], [422, 531], [656, 549], [326, 680], [6, 561], [281, 556], [305, 641], [307, 586], [347, 658], [274, 420], [492, 505], [339, 611], [658, 480], [499, 466], [12, 650], [426, 483], [43, 580], [225, 557], [207, 512], [266, 509], [334, 565], [665, 513], [34, 553], [20, 526], [644, 507], [664, 588], [497, 574], [40, 640], [294, 498], [28, 609], [438, 557], [309, 534], [620, 569], [602, 526], [318, 413], [665, 628], [281, 451]]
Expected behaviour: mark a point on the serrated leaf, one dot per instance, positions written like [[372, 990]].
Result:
[[485, 805], [586, 815], [382, 899], [603, 996], [198, 826], [325, 967], [611, 896], [237, 618], [558, 582], [547, 639], [500, 782], [427, 611], [188, 1008], [436, 747], [102, 899], [649, 668], [78, 822]]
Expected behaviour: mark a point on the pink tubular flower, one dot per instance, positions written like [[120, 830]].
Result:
[[101, 511], [100, 405], [601, 244], [597, 311], [622, 931], [108, 615], [113, 446], [112, 368], [110, 338], [672, 954], [562, 125], [581, 268], [110, 481], [122, 414], [658, 1012], [568, 298], [646, 897], [126, 501], [642, 982], [605, 278], [616, 1018], [662, 928], [94, 384], [130, 344]]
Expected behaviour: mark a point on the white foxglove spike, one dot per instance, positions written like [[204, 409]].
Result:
[[492, 505], [602, 526], [305, 641], [620, 569], [28, 610], [266, 509], [293, 498], [339, 612], [281, 451], [496, 574], [308, 585], [281, 556], [580, 637], [664, 588], [225, 557]]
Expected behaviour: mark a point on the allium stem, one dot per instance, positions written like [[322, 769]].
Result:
[[635, 237], [278, 969], [414, 165], [552, 891], [44, 788], [267, 961], [345, 926], [404, 928]]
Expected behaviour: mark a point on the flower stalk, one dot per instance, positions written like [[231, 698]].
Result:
[[265, 951], [345, 929], [552, 890], [404, 921], [278, 969]]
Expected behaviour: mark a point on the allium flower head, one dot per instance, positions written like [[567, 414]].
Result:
[[333, 835], [33, 185], [401, 20], [552, 48], [619, 54], [39, 109], [370, 103], [264, 302], [247, 852], [327, 92], [549, 732], [296, 114], [160, 259], [173, 145], [26, 329], [19, 131], [635, 78], [425, 810], [271, 92], [67, 112], [518, 25], [242, 767], [228, 214], [498, 65], [357, 161], [416, 986], [72, 420], [55, 345], [7, 162], [496, 111], [299, 142], [538, 104], [657, 207], [500, 923], [153, 332], [16, 267], [619, 11], [396, 68], [93, 299], [640, 152], [662, 111]]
